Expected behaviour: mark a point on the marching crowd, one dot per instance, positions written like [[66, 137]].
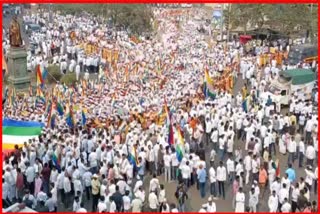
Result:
[[118, 163]]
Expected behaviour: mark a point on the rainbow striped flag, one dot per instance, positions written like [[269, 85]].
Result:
[[246, 104], [41, 73], [208, 85], [180, 145], [56, 161], [70, 118], [133, 157], [51, 118], [59, 109], [15, 132], [83, 118], [40, 95]]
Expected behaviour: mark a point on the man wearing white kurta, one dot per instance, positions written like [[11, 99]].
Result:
[[273, 202], [240, 201]]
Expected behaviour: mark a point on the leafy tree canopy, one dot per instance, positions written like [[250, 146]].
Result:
[[135, 18]]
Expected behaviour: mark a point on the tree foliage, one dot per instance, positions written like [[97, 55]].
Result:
[[136, 18], [286, 18]]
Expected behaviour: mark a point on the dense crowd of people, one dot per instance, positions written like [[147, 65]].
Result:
[[122, 158]]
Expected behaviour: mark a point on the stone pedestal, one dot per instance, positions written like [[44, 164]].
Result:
[[17, 68]]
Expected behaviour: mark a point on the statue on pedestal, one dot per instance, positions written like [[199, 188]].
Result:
[[17, 58], [14, 32]]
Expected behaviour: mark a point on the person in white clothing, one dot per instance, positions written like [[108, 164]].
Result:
[[221, 178], [273, 202], [211, 206], [253, 200], [153, 201], [213, 181], [286, 207], [167, 166], [231, 169], [240, 201], [310, 154]]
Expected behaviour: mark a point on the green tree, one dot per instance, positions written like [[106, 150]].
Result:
[[287, 18], [136, 18]]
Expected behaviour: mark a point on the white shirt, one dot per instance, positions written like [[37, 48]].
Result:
[[185, 171], [136, 205], [154, 184], [273, 203], [248, 163], [295, 194], [283, 194], [212, 175], [221, 173], [292, 146], [102, 206], [230, 165], [240, 200], [211, 208], [66, 184], [113, 207], [126, 203], [153, 201], [310, 152], [167, 160], [286, 207], [81, 210], [31, 174], [302, 147], [174, 159]]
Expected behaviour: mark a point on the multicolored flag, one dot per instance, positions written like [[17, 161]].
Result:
[[180, 147], [246, 104], [41, 73], [59, 108], [83, 118], [16, 132], [133, 157], [70, 118], [208, 85], [56, 160]]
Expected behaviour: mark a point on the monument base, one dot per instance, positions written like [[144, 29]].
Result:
[[19, 83], [17, 68]]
